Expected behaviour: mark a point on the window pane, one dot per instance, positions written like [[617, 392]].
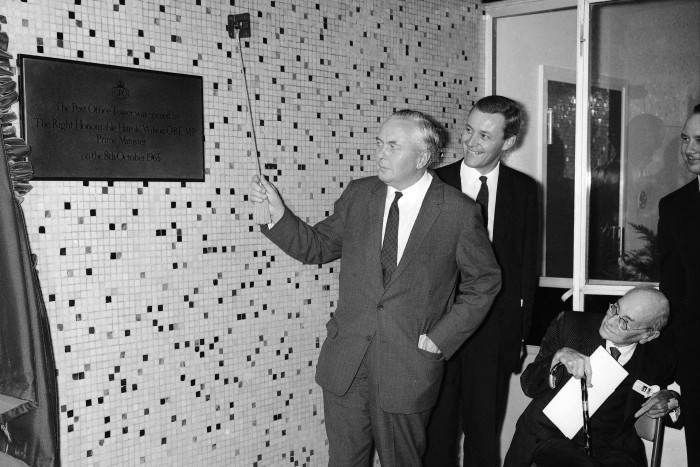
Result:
[[644, 79], [561, 166], [547, 306], [599, 303], [540, 73]]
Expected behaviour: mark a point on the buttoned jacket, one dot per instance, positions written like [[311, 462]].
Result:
[[447, 240]]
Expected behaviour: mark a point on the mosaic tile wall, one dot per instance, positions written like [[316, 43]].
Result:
[[182, 336]]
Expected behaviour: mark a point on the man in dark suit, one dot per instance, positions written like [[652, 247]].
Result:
[[475, 386], [628, 331], [679, 233], [404, 238]]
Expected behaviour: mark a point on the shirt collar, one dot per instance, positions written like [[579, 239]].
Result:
[[421, 186], [471, 175], [625, 351]]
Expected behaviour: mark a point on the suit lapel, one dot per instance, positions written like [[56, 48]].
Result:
[[693, 209], [504, 206], [374, 235], [428, 214], [505, 198]]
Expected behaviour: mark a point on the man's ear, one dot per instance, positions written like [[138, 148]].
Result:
[[651, 335], [423, 160], [509, 143]]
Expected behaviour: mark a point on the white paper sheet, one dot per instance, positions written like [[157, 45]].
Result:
[[565, 410]]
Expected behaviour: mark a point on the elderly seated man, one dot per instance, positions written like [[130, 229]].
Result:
[[628, 331]]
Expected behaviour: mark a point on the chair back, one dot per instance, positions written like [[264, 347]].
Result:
[[652, 429]]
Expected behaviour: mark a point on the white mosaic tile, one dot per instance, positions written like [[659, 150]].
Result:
[[182, 336]]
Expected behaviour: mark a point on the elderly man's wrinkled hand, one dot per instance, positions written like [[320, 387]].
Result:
[[575, 363], [659, 404]]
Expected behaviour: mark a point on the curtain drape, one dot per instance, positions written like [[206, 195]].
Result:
[[28, 387]]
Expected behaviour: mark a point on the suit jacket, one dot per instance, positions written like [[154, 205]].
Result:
[[516, 222], [447, 239], [679, 232], [652, 363]]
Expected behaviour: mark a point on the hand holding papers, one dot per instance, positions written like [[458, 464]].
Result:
[[565, 409]]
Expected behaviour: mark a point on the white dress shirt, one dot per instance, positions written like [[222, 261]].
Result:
[[626, 352], [409, 205], [471, 185]]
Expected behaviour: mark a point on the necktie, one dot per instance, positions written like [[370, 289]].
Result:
[[483, 199], [391, 240], [614, 352]]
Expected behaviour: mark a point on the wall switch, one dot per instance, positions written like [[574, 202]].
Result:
[[240, 23]]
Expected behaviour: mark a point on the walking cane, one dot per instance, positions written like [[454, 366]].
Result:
[[586, 419], [584, 405]]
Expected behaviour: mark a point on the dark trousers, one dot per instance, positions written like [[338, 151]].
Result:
[[558, 452], [473, 396], [356, 424], [688, 379]]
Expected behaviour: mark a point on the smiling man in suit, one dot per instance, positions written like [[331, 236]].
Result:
[[475, 386], [679, 236], [404, 238], [628, 331]]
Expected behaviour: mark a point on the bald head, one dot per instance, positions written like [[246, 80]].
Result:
[[653, 305], [637, 317]]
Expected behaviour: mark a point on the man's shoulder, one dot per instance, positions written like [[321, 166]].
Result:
[[370, 180], [364, 183], [579, 319], [450, 174], [517, 177], [449, 167], [453, 195], [683, 192]]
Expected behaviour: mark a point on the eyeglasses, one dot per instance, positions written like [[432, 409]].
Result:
[[622, 323]]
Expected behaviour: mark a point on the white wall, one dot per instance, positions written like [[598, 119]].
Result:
[[523, 43]]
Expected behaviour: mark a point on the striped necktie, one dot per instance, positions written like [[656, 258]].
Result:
[[615, 352], [391, 240]]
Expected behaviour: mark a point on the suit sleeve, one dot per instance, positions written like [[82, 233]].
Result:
[[529, 275], [319, 244], [479, 283], [669, 421], [535, 378]]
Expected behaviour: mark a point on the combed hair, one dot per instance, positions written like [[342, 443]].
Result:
[[429, 132], [510, 110]]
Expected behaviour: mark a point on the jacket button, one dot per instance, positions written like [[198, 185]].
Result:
[[380, 308], [368, 338]]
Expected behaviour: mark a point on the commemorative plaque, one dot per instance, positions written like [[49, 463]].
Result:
[[87, 121]]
